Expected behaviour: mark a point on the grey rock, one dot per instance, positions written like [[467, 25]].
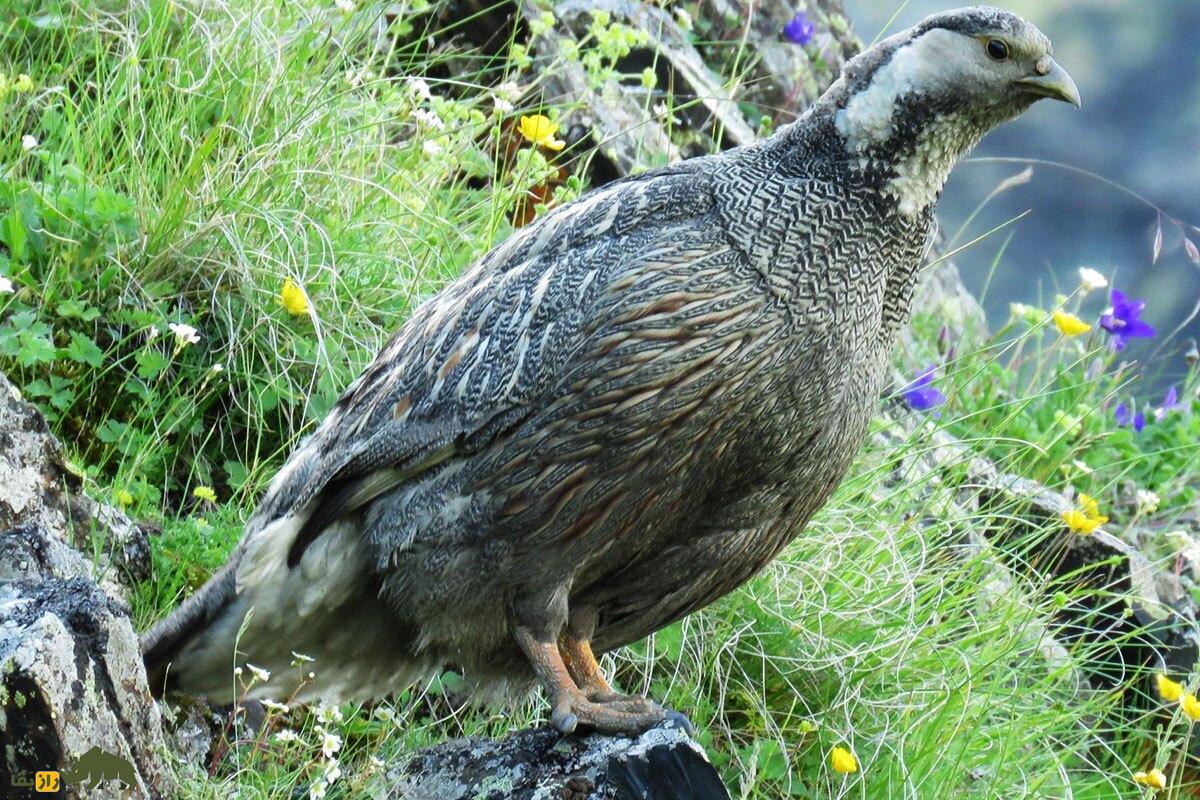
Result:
[[71, 681], [38, 486], [540, 764]]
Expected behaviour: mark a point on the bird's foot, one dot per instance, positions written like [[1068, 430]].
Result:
[[630, 716]]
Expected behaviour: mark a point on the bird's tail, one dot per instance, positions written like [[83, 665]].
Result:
[[260, 610]]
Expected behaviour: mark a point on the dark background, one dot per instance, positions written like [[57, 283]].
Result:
[[1137, 63]]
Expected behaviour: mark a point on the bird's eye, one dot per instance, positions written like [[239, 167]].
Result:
[[997, 49]]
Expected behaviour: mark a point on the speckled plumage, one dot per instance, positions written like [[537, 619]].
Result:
[[616, 417]]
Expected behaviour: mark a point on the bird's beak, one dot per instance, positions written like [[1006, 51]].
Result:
[[1052, 81]]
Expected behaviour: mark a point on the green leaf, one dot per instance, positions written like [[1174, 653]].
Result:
[[84, 350]]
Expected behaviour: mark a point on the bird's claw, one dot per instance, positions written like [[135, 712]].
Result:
[[627, 716]]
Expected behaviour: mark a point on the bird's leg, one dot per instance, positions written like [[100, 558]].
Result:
[[571, 707], [576, 647]]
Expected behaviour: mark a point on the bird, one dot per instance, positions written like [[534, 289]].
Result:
[[618, 415]]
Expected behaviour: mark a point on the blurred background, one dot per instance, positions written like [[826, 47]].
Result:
[[1137, 63]]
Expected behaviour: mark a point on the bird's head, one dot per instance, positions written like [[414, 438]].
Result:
[[909, 107]]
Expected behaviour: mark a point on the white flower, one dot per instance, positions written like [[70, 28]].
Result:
[[1090, 280], [428, 119], [217, 367], [317, 790], [501, 105], [419, 88], [332, 772], [6, 286], [184, 335], [282, 708], [259, 673], [330, 744], [1018, 309], [327, 715], [345, 6], [1184, 544], [376, 762], [385, 714], [300, 658], [431, 148], [28, 143], [510, 91], [286, 735], [1147, 501], [237, 672]]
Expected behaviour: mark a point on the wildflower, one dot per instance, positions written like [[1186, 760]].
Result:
[[428, 119], [330, 744], [259, 673], [1068, 324], [327, 715], [1090, 280], [300, 658], [649, 78], [501, 105], [431, 148], [6, 285], [1086, 517], [1168, 689], [921, 394], [538, 129], [271, 705], [237, 672], [217, 368], [376, 763], [28, 143], [317, 790], [332, 772], [184, 334], [1155, 779], [286, 735], [1124, 322], [23, 83], [843, 761], [1125, 418], [1147, 501], [205, 493], [293, 298], [1190, 706], [1170, 403], [385, 714], [420, 89], [800, 30]]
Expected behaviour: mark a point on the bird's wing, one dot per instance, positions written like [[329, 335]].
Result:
[[487, 351]]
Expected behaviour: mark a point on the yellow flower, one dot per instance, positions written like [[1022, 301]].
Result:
[[1168, 689], [1155, 779], [1068, 324], [1190, 706], [124, 499], [540, 130], [843, 761], [293, 298], [205, 493], [23, 83], [1086, 518]]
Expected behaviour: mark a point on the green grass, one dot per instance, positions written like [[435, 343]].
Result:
[[191, 157]]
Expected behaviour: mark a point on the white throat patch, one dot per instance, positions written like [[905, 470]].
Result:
[[928, 63]]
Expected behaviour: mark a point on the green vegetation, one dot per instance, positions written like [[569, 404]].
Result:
[[177, 164]]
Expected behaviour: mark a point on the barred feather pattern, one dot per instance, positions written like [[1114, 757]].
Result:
[[621, 413]]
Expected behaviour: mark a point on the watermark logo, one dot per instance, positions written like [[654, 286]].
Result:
[[91, 769]]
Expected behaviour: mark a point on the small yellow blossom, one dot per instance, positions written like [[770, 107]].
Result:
[[1068, 324], [540, 130], [1085, 518], [205, 493], [1155, 779], [843, 761], [1190, 706], [1168, 689], [293, 298], [124, 499], [23, 83]]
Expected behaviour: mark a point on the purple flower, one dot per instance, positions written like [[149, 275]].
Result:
[[921, 394], [1125, 417], [800, 30], [1170, 403], [1124, 320]]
